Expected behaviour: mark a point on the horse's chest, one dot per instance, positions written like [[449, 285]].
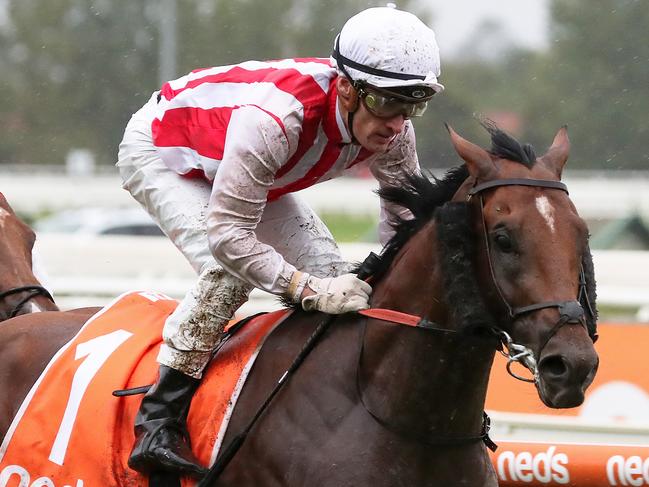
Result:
[[317, 433], [356, 452]]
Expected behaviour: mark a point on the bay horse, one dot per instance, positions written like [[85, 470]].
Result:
[[494, 258], [20, 290]]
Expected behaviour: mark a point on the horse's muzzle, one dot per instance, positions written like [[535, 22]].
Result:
[[566, 367]]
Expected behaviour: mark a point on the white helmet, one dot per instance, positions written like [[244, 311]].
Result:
[[388, 48]]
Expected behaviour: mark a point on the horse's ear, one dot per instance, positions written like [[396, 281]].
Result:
[[477, 159], [5, 204], [557, 155]]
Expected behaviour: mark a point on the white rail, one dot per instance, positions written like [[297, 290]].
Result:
[[524, 427], [611, 194], [79, 268]]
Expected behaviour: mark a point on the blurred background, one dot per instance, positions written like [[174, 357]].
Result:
[[73, 71]]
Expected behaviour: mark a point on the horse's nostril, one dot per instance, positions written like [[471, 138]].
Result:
[[553, 365]]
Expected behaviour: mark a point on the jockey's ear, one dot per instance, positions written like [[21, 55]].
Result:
[[477, 159], [347, 94], [557, 155]]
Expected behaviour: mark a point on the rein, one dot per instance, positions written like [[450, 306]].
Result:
[[33, 291]]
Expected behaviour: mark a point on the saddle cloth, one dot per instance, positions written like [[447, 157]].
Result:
[[72, 432]]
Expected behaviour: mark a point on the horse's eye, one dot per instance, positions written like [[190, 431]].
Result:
[[503, 242]]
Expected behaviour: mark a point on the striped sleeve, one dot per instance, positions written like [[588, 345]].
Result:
[[194, 111], [258, 144]]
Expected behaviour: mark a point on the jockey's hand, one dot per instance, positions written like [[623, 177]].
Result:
[[336, 295]]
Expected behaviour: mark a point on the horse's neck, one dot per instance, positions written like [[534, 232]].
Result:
[[417, 379], [414, 282]]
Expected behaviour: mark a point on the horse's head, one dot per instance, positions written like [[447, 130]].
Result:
[[20, 291], [532, 250]]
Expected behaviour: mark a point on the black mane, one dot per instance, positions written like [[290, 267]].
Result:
[[422, 196], [505, 146]]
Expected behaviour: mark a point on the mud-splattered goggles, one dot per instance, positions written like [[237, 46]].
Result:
[[385, 104]]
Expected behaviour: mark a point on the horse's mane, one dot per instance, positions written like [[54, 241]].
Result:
[[422, 196], [505, 146]]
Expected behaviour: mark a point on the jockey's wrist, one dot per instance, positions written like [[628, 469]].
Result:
[[297, 286], [307, 292]]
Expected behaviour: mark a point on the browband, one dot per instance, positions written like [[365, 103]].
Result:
[[544, 183]]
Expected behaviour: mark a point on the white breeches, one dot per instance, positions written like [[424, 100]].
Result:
[[179, 205]]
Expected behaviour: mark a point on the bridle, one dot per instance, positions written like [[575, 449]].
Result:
[[32, 292], [570, 312]]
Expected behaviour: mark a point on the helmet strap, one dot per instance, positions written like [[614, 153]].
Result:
[[352, 112], [350, 125], [343, 61]]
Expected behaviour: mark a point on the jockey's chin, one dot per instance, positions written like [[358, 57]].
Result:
[[379, 143]]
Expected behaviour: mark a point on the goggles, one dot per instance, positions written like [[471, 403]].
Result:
[[386, 105]]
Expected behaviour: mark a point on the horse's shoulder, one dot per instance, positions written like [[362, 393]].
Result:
[[28, 342], [83, 313]]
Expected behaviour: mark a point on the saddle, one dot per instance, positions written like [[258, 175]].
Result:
[[73, 431]]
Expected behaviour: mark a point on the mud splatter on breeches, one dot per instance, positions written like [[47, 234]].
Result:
[[195, 328]]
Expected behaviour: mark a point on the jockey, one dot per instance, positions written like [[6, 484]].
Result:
[[216, 156]]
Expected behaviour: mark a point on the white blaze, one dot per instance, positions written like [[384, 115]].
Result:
[[546, 211]]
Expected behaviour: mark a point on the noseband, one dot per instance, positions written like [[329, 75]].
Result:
[[32, 292], [570, 312]]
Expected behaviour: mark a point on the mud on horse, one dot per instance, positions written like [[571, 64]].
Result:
[[495, 257], [20, 291]]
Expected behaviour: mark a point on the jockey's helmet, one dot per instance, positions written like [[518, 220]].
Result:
[[391, 50]]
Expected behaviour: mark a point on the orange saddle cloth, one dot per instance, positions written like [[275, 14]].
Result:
[[72, 432]]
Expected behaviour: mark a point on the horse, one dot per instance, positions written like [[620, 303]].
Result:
[[20, 290], [494, 258]]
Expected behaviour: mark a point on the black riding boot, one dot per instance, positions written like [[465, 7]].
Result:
[[161, 437]]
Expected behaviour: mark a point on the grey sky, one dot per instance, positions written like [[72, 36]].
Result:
[[454, 21]]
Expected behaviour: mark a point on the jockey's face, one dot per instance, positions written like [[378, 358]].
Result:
[[372, 132], [376, 133]]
